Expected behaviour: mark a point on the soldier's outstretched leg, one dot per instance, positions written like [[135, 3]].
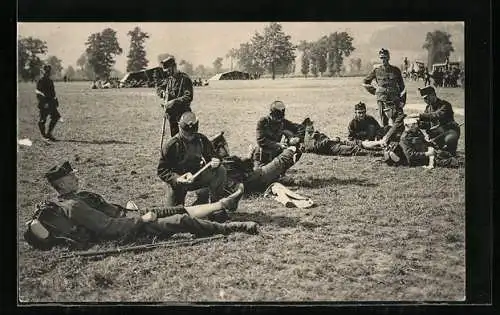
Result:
[[263, 176], [183, 223]]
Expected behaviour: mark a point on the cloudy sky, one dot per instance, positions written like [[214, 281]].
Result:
[[198, 43]]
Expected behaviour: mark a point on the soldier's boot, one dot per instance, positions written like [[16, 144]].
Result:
[[41, 126], [248, 227], [230, 202], [52, 125]]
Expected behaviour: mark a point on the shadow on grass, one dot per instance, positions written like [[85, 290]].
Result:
[[98, 141], [265, 219], [311, 182]]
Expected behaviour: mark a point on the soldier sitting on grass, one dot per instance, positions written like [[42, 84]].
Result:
[[270, 130], [363, 126], [81, 217], [414, 149]]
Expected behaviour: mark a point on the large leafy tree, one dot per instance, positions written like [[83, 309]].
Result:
[[56, 65], [232, 54], [273, 48], [101, 51], [29, 63], [438, 46], [85, 70], [305, 59], [247, 60], [339, 46], [70, 73], [217, 64], [137, 54], [187, 67]]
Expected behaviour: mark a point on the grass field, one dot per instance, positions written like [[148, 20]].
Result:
[[377, 233]]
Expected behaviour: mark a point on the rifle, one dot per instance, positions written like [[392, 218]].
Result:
[[166, 244]]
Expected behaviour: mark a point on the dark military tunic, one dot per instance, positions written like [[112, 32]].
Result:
[[390, 85], [47, 104], [389, 80], [438, 119], [364, 129], [179, 156], [269, 133], [94, 219], [414, 146], [178, 88]]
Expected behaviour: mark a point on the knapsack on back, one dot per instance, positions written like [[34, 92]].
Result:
[[49, 226]]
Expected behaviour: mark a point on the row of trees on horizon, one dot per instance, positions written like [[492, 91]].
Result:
[[270, 52]]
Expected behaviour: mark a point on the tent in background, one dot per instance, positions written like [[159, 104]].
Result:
[[231, 75]]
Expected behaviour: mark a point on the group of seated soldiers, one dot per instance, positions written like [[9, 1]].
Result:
[[189, 161]]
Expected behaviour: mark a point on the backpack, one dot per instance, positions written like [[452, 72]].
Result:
[[49, 226]]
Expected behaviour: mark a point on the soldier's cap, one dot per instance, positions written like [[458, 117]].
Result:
[[360, 106], [188, 120], [383, 53], [428, 90], [277, 106], [59, 171], [168, 62]]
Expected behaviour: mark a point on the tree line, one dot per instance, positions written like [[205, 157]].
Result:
[[270, 51]]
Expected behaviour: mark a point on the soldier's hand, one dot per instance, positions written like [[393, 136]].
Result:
[[186, 178], [169, 104], [294, 141], [215, 162], [149, 217], [282, 145]]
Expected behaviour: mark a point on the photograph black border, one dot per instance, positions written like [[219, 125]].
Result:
[[477, 16]]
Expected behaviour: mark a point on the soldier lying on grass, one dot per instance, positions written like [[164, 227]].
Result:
[[81, 217], [316, 142]]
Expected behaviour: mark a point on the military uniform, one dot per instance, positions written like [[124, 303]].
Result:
[[178, 88], [390, 86], [363, 129], [413, 146], [269, 134], [438, 119], [179, 156], [257, 179], [47, 105]]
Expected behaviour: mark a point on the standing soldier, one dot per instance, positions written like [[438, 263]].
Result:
[[437, 119], [427, 77], [390, 92], [363, 126], [47, 103], [270, 130], [177, 92], [390, 89]]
